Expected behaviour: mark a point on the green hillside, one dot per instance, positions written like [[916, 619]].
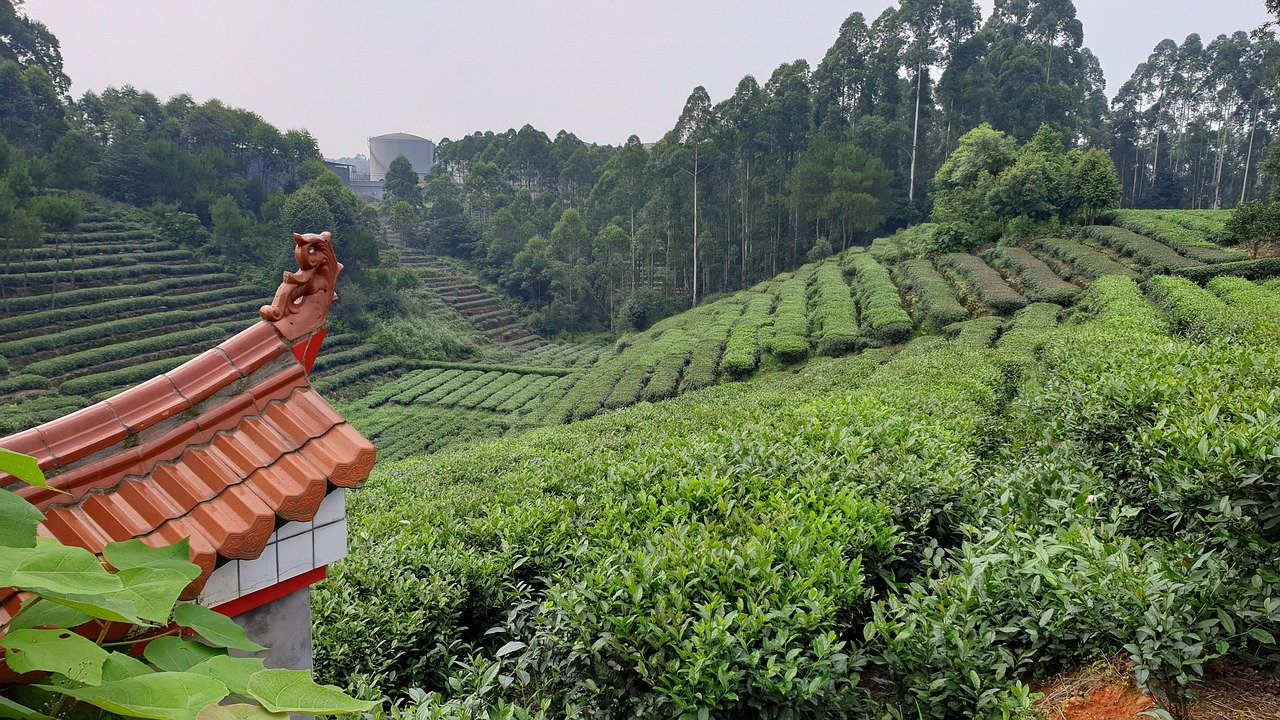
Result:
[[924, 529]]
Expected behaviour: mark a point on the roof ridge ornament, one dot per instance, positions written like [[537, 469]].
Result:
[[301, 303]]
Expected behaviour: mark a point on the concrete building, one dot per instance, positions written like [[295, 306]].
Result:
[[420, 152]]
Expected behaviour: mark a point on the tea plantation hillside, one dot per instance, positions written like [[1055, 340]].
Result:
[[927, 529], [90, 313], [880, 297]]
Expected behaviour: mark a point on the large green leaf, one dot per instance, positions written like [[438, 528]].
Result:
[[158, 696], [53, 567], [23, 467], [133, 554], [153, 591], [106, 606], [230, 671], [177, 655], [120, 666], [214, 627], [42, 613], [55, 651], [239, 712], [295, 691], [18, 521]]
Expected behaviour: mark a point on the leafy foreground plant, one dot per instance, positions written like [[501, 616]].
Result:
[[71, 675]]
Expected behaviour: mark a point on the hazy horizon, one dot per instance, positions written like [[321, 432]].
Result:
[[601, 70]]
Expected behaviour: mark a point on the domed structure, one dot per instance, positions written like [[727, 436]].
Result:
[[420, 152]]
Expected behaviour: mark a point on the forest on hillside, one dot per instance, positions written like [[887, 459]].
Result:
[[818, 157], [589, 238]]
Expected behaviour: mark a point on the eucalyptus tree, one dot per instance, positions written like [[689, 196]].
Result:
[[693, 129]]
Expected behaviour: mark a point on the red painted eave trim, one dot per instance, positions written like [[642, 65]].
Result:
[[257, 599]]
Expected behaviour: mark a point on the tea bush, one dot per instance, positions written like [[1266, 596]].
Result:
[[882, 316], [985, 282], [935, 304], [1042, 283], [1152, 253], [1087, 261]]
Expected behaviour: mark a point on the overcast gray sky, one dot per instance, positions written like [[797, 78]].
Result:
[[604, 69]]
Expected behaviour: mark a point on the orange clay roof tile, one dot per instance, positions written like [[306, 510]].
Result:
[[204, 375], [253, 348], [29, 442], [149, 403], [239, 523], [83, 433], [293, 486]]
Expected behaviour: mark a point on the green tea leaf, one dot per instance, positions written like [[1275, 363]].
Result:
[[23, 467], [56, 651], [159, 696], [1262, 636], [18, 521], [214, 627], [177, 655], [133, 554], [295, 691], [230, 671]]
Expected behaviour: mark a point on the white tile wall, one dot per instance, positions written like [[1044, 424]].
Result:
[[330, 542], [294, 556], [223, 585], [333, 509], [260, 572], [296, 548], [293, 528]]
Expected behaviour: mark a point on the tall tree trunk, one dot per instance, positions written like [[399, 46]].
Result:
[[1222, 154], [633, 250], [915, 134], [695, 226], [1248, 158]]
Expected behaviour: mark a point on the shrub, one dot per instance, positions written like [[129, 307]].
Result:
[[1158, 256], [742, 349], [1194, 310], [882, 317], [1042, 283], [788, 337], [1030, 328], [834, 314], [1087, 261], [1118, 302], [985, 282], [704, 358], [976, 334], [935, 304], [1247, 269]]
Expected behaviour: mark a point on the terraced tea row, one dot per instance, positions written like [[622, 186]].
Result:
[[89, 313], [466, 296]]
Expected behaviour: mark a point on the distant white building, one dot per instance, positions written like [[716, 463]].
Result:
[[420, 152]]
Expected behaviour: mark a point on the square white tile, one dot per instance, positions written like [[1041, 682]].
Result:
[[258, 573], [294, 556], [330, 542], [223, 585], [333, 509], [290, 529]]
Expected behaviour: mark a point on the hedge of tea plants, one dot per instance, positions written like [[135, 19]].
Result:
[[923, 537]]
